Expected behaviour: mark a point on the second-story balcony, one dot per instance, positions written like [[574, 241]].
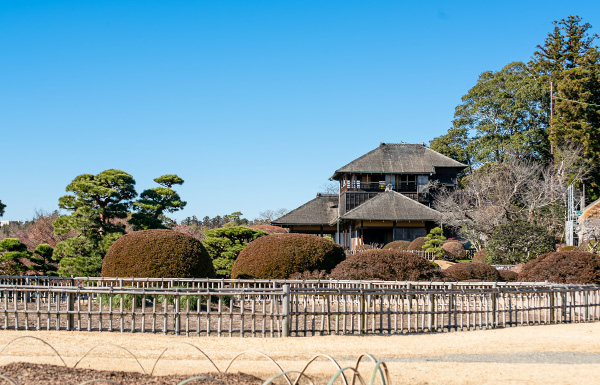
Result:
[[379, 186]]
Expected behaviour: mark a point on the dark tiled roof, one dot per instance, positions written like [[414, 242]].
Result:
[[392, 206], [320, 211], [398, 158]]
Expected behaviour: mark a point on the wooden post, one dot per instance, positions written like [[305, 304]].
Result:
[[70, 309], [285, 327], [362, 325], [495, 305], [552, 308], [176, 299], [451, 310], [430, 310]]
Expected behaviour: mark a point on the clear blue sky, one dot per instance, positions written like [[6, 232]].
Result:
[[254, 103]]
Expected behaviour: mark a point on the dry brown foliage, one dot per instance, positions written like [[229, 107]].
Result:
[[269, 229], [472, 271], [454, 249], [157, 254], [577, 267], [387, 265], [417, 244], [277, 256], [397, 245], [479, 256]]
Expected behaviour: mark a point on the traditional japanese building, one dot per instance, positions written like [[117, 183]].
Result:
[[382, 197]]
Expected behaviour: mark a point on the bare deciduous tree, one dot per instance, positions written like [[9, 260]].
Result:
[[515, 189], [270, 215]]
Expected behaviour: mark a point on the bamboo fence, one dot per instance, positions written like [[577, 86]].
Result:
[[279, 308]]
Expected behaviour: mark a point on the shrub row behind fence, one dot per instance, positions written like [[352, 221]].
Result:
[[289, 310]]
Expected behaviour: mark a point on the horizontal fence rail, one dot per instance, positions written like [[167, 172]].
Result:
[[208, 283], [274, 308]]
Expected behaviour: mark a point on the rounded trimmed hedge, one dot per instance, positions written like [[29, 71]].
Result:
[[472, 271], [387, 265], [508, 275], [397, 245], [278, 256], [454, 249], [157, 254], [577, 267], [417, 244]]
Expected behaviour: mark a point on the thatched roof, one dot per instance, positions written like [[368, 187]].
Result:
[[392, 206], [398, 158], [320, 211]]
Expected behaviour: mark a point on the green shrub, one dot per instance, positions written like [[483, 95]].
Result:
[[278, 256], [397, 245], [13, 257], [568, 248], [454, 250], [577, 267], [471, 271], [225, 244], [434, 241], [388, 265], [479, 256], [157, 254], [417, 244], [518, 242]]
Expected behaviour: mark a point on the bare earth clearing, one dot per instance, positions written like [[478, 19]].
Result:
[[556, 354]]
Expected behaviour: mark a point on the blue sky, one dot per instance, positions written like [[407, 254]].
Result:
[[253, 103]]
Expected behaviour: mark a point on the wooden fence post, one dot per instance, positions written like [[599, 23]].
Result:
[[451, 312], [494, 305], [430, 309], [70, 308], [285, 325]]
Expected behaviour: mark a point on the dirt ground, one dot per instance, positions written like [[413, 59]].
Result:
[[557, 354]]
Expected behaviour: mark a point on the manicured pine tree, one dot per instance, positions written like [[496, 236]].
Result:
[[434, 241], [155, 202]]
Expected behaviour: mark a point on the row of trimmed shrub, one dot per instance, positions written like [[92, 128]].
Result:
[[164, 253]]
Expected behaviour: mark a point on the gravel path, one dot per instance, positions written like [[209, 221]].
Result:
[[561, 358]]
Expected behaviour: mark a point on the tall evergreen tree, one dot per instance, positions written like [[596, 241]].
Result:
[[570, 60], [498, 116], [2, 207]]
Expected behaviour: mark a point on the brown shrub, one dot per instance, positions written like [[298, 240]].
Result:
[[388, 265], [308, 275], [472, 271], [454, 250], [508, 275], [361, 248], [269, 229], [479, 256], [157, 254], [280, 255], [563, 267], [417, 244], [397, 245]]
